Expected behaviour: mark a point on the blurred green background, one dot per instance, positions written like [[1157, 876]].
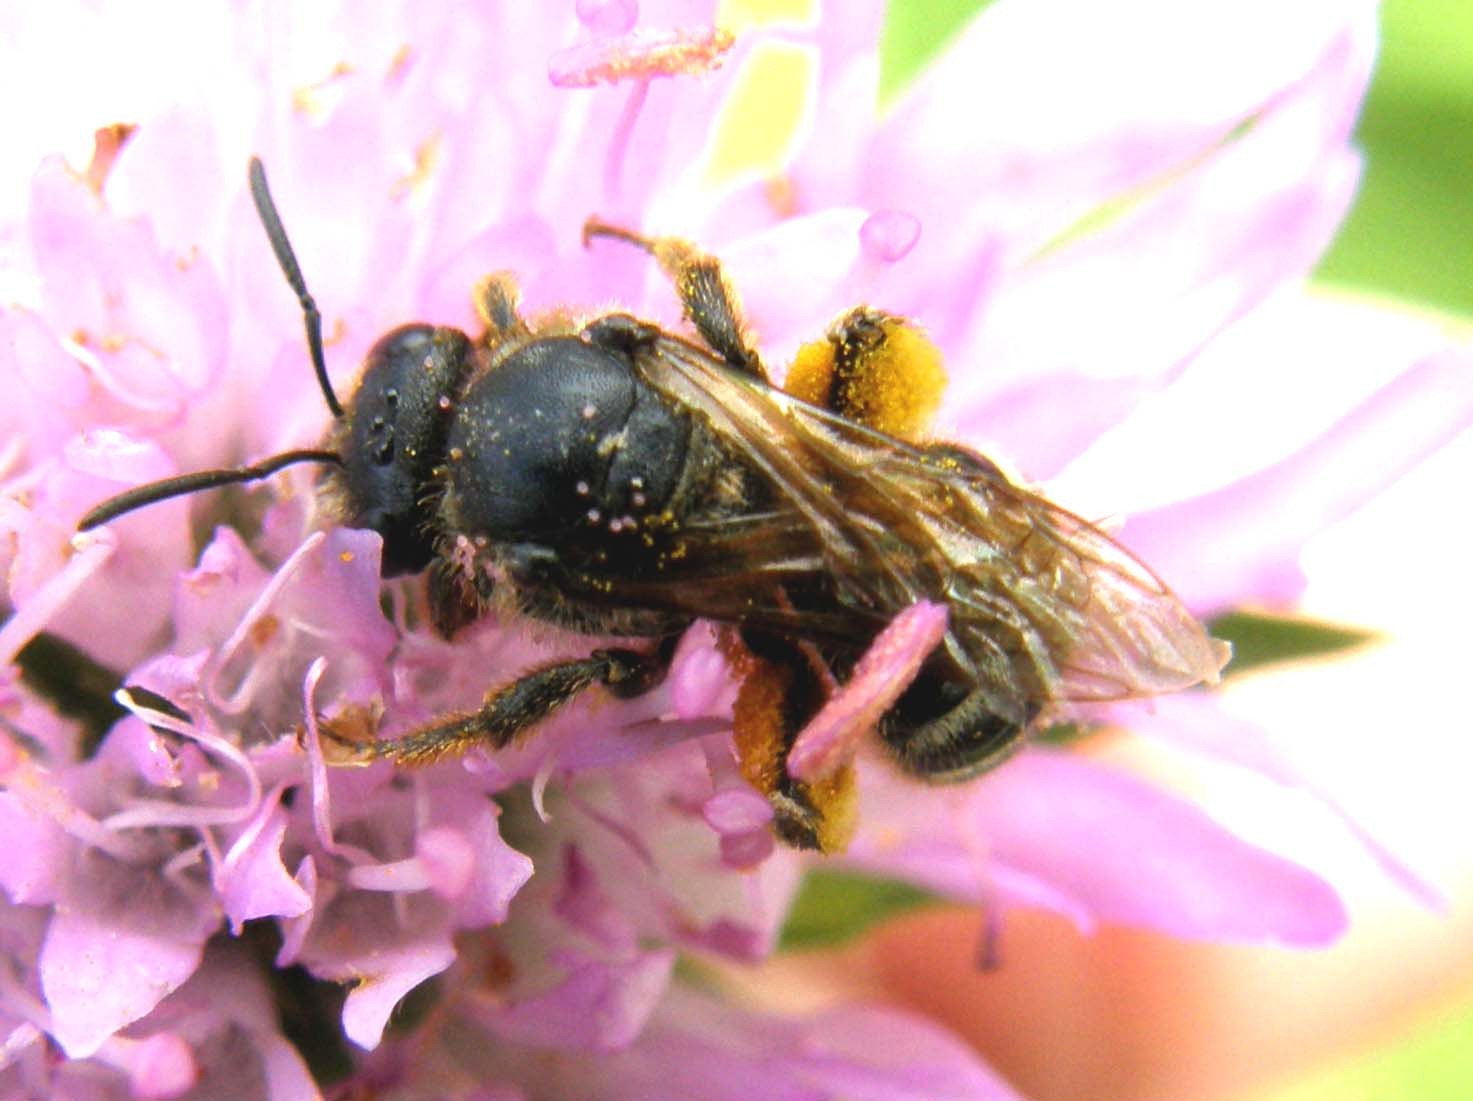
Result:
[[1410, 238]]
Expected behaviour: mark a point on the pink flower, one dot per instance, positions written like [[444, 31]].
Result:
[[540, 897]]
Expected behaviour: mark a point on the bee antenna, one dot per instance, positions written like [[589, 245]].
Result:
[[162, 490], [276, 234]]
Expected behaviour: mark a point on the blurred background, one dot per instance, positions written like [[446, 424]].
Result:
[[1388, 1012]]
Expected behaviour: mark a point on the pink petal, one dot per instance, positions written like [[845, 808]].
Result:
[[49, 600], [497, 873], [321, 603], [1145, 295], [99, 975], [35, 856], [1043, 158], [737, 810], [1241, 543], [381, 977], [157, 328], [252, 881], [285, 1072], [700, 682], [1197, 722], [50, 393], [874, 1054], [1060, 831], [1133, 854], [294, 930], [1148, 290], [113, 614], [599, 1007], [793, 275], [660, 861], [698, 1046], [175, 173], [140, 749], [163, 1066], [1211, 225], [743, 819], [586, 906], [1043, 422], [212, 597], [448, 860]]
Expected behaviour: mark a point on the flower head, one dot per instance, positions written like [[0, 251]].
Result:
[[1076, 258]]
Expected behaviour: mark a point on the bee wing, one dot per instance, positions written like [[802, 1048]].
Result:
[[816, 463], [1042, 600], [1111, 628]]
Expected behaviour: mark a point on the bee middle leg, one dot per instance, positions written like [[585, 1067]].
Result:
[[943, 734], [509, 712], [495, 299], [707, 296]]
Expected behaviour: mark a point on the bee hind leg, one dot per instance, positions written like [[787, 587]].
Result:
[[705, 293], [943, 737], [781, 691], [510, 712], [875, 368]]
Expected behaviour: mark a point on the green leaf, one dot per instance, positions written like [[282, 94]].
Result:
[[833, 907], [1260, 640], [915, 33]]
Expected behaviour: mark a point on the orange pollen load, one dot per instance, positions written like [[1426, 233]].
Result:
[[892, 380]]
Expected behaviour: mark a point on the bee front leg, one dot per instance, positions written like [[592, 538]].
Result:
[[939, 737], [511, 711], [705, 293]]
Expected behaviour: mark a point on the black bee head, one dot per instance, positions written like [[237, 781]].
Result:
[[393, 438]]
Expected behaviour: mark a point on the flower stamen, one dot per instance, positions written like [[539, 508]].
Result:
[[641, 55]]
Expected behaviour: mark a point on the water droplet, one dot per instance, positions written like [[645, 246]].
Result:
[[607, 16], [888, 235]]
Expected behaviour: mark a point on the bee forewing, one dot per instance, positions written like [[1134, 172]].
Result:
[[1076, 615], [1135, 637]]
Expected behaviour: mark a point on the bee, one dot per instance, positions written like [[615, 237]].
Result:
[[615, 478]]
